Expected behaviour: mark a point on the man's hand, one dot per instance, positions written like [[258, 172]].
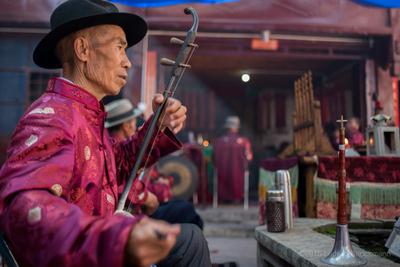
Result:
[[151, 203], [149, 242], [174, 113]]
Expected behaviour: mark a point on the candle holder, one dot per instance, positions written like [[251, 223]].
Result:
[[342, 253]]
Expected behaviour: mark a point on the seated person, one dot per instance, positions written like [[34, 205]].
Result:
[[121, 124], [353, 133], [59, 186]]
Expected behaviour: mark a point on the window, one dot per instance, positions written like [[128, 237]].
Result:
[[38, 84]]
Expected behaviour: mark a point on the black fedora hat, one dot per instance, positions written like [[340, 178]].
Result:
[[75, 15]]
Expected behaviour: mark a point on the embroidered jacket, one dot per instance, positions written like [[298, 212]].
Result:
[[59, 186]]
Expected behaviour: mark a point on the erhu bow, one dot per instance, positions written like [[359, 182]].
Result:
[[178, 68]]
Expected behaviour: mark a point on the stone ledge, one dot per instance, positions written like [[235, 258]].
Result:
[[303, 247]]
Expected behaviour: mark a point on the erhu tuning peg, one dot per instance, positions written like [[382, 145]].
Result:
[[167, 62], [178, 41], [175, 40]]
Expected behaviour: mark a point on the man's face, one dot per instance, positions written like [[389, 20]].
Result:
[[233, 129], [353, 125], [108, 64], [129, 127]]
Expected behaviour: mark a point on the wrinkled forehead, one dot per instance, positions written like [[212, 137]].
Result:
[[107, 32]]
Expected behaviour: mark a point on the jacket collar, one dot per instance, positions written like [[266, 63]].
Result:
[[70, 90]]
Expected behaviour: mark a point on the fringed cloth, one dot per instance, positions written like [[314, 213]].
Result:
[[374, 191]]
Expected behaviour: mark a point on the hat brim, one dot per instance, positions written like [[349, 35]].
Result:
[[134, 26], [231, 125], [135, 113]]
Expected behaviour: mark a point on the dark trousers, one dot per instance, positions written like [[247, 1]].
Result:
[[178, 211], [190, 250]]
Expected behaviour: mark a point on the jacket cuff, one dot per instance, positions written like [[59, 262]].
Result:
[[167, 142], [138, 194]]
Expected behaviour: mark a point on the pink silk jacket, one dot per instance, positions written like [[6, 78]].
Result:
[[59, 186]]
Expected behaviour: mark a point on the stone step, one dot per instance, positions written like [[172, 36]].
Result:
[[228, 214], [229, 230], [229, 221]]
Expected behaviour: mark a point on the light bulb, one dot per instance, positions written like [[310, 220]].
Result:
[[245, 77]]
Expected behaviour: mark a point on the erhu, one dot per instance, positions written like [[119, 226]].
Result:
[[178, 68], [342, 253]]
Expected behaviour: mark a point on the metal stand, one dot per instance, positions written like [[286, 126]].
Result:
[[342, 253], [246, 190], [215, 189], [195, 198]]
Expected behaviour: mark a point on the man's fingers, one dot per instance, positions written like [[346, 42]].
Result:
[[150, 241], [179, 116], [158, 98], [162, 226], [168, 229], [173, 105], [178, 122], [177, 129], [179, 112], [175, 114]]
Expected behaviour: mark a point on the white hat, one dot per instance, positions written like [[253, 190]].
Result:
[[120, 111], [232, 122]]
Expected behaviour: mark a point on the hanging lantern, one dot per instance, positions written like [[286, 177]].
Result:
[[382, 140]]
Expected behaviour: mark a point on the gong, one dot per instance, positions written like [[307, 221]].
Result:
[[183, 171]]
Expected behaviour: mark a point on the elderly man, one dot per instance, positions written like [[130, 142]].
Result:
[[59, 186], [232, 152]]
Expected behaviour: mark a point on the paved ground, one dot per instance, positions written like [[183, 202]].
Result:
[[229, 231], [243, 251]]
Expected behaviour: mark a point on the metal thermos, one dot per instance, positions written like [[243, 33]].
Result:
[[282, 182], [275, 211]]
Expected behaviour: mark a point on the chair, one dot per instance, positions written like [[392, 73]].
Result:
[[7, 258]]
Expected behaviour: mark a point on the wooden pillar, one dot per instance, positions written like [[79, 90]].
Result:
[[395, 19], [150, 82], [395, 44], [309, 166], [370, 88], [385, 91]]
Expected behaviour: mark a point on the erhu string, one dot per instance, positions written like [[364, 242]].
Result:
[[170, 93]]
